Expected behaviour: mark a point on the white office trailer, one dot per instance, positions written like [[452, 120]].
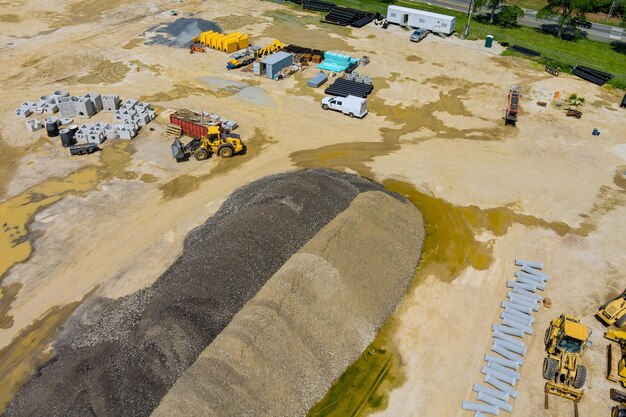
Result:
[[434, 22]]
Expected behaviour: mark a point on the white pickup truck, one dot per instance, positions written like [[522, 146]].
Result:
[[350, 105]]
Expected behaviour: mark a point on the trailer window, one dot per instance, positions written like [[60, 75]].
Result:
[[422, 20], [444, 25], [393, 15]]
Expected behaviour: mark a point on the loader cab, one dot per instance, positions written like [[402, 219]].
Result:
[[573, 337], [213, 133]]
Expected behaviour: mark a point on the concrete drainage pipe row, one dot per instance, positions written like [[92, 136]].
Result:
[[502, 370]]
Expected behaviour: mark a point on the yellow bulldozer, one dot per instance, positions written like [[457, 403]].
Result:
[[613, 312], [616, 355], [215, 142], [269, 49], [566, 340]]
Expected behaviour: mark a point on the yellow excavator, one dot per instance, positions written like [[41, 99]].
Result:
[[613, 312], [215, 142], [566, 340]]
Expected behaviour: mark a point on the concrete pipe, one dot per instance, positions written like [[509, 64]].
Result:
[[483, 408], [49, 99], [510, 346], [504, 352], [507, 330], [502, 386], [110, 133], [51, 120], [61, 93], [490, 399], [497, 374], [522, 303], [504, 370], [493, 392], [66, 121], [502, 361], [479, 414], [536, 272], [532, 264], [528, 287], [525, 280], [535, 278], [525, 309], [527, 293], [524, 316], [512, 323], [507, 338], [532, 304], [522, 297], [507, 314]]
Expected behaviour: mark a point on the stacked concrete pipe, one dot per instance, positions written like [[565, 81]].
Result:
[[508, 349]]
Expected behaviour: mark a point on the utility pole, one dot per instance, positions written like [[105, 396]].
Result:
[[615, 3], [469, 17]]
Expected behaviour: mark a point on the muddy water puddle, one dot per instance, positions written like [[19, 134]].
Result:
[[18, 212]]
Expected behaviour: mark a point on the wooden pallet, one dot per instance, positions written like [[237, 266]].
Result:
[[173, 131]]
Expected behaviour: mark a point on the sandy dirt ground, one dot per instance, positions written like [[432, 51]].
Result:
[[74, 225]]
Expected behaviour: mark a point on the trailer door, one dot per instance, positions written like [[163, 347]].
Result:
[[405, 19]]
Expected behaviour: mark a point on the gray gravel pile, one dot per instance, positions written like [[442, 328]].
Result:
[[126, 362], [180, 32], [311, 320]]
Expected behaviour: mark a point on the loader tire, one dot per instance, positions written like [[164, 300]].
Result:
[[550, 368], [581, 377], [201, 154], [225, 152], [546, 337], [621, 322]]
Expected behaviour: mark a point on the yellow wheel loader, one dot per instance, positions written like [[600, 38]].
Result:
[[566, 340], [613, 311], [215, 142]]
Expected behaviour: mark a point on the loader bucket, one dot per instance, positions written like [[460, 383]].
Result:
[[177, 149]]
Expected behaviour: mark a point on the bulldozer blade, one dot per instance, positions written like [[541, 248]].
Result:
[[564, 391], [614, 355], [617, 395]]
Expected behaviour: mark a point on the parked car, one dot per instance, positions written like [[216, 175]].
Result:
[[350, 105], [418, 35], [582, 23]]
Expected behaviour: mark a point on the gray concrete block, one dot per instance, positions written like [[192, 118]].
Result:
[[33, 125], [96, 100], [111, 103], [23, 112], [84, 108], [66, 106]]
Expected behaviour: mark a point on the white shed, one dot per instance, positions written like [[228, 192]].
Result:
[[434, 22]]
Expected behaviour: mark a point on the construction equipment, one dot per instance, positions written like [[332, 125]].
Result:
[[574, 113], [620, 397], [240, 62], [269, 49], [228, 43], [616, 356], [512, 108], [195, 47], [215, 142], [613, 311], [566, 340]]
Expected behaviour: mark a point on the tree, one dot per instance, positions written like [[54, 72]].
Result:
[[567, 11], [491, 4], [508, 16]]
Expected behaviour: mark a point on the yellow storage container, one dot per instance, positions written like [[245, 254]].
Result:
[[215, 41], [230, 45], [204, 36], [243, 41]]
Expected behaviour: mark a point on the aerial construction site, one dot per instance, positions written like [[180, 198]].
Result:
[[272, 208]]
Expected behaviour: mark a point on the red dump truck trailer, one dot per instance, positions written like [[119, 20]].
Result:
[[191, 123]]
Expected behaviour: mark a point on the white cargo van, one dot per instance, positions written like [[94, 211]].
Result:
[[351, 105]]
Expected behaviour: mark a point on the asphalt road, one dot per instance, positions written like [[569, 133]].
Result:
[[598, 31]]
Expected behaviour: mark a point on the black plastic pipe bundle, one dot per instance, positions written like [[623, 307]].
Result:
[[592, 75], [344, 88]]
